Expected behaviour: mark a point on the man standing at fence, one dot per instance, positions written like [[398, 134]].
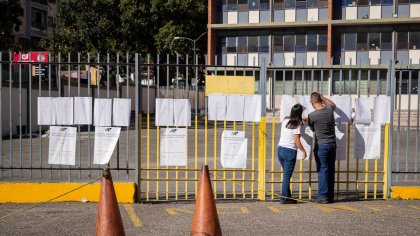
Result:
[[321, 121]]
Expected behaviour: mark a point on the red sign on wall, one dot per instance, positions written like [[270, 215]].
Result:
[[30, 57]]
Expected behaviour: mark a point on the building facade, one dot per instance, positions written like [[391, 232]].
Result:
[[313, 32]]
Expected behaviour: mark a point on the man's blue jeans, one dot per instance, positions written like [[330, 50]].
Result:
[[287, 158], [325, 165]]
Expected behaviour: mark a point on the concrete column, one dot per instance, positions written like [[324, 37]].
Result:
[[211, 16], [329, 31]]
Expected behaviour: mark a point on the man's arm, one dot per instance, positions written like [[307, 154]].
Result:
[[327, 101]]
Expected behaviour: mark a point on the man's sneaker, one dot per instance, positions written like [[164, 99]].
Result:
[[288, 201], [322, 201]]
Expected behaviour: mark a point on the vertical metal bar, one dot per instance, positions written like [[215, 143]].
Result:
[[79, 153], [188, 97], [117, 82], [167, 76], [399, 125], [147, 130], [29, 115], [127, 86], [157, 136], [20, 116], [10, 113], [137, 160], [40, 127], [177, 74], [407, 139], [416, 160], [89, 131], [196, 126], [1, 115], [49, 95], [107, 75]]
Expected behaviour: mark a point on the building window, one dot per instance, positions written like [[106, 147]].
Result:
[[323, 3], [264, 5], [242, 5], [386, 40], [362, 41], [300, 43], [350, 3], [312, 3], [374, 41], [290, 4], [39, 19], [350, 41], [43, 2], [231, 44], [403, 1], [387, 2], [402, 40], [301, 4], [322, 42], [242, 44], [254, 4], [374, 2], [232, 5], [253, 44], [289, 43], [312, 42], [278, 4], [278, 43], [363, 3], [264, 45], [414, 40]]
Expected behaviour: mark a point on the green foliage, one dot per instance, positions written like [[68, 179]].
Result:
[[11, 10]]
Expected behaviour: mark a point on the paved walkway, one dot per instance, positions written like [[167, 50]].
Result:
[[236, 218]]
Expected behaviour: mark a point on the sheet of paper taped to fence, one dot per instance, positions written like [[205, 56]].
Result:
[[217, 106], [305, 101], [164, 112], [341, 141], [367, 141], [382, 109], [102, 112], [62, 145], [182, 112], [286, 104], [64, 110], [83, 110], [252, 108], [46, 111], [235, 107], [362, 111], [121, 112], [233, 149], [306, 138], [342, 111], [173, 147], [105, 140]]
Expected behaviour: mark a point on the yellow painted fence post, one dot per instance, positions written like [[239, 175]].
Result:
[[262, 141]]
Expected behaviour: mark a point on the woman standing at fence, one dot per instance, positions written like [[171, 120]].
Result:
[[287, 149]]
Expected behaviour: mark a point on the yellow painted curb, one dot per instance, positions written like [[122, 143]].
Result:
[[40, 192], [405, 192]]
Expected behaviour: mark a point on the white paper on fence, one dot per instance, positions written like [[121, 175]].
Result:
[[46, 111], [217, 106], [342, 112], [233, 149], [367, 141], [382, 109], [105, 140], [286, 104], [173, 147], [64, 110], [83, 110], [235, 107], [182, 112], [102, 112], [306, 138], [362, 111], [164, 115], [305, 101], [341, 141], [62, 145], [252, 108], [121, 112]]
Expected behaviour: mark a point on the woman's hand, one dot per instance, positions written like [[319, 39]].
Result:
[[304, 155]]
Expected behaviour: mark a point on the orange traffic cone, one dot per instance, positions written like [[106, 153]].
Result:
[[108, 221], [205, 219]]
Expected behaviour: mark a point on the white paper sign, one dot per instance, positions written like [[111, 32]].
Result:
[[342, 112], [164, 112], [235, 107], [46, 111], [105, 140], [362, 111], [217, 106], [173, 147], [102, 112], [305, 101], [367, 141], [286, 104], [62, 145], [382, 109], [64, 110], [252, 108], [341, 141], [182, 112], [233, 150], [83, 110], [121, 112], [306, 138]]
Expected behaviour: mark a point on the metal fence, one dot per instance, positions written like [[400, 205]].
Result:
[[24, 144]]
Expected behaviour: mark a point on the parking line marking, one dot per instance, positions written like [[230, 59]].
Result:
[[415, 207], [378, 207], [337, 208], [133, 216], [277, 209], [174, 211]]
